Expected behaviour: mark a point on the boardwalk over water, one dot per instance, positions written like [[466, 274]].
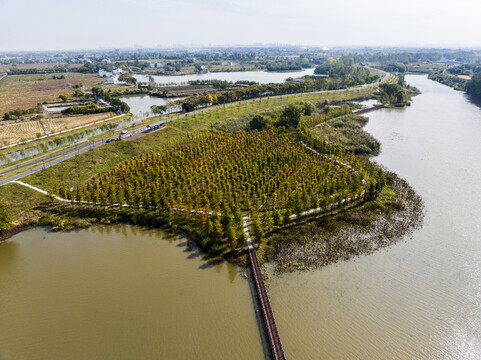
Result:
[[363, 111], [267, 314]]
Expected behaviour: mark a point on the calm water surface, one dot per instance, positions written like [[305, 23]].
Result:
[[120, 292], [420, 299], [140, 104], [262, 77]]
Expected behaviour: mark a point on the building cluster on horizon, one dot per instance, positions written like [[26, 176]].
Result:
[[112, 77]]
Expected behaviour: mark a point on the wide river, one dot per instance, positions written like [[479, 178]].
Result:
[[120, 292]]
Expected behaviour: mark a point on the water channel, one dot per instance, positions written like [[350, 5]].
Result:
[[120, 292]]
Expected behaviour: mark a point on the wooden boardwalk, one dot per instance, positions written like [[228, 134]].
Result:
[[267, 314], [363, 111]]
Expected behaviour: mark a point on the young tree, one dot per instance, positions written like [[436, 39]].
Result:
[[231, 237], [257, 232], [277, 217], [5, 218], [217, 231], [287, 216], [242, 239]]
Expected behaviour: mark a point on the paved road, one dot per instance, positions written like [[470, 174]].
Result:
[[47, 158], [45, 164], [69, 153]]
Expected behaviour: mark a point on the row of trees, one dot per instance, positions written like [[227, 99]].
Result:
[[19, 113], [355, 76], [116, 104], [290, 117], [350, 75], [393, 94]]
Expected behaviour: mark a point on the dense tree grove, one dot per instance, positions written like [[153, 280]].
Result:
[[289, 117], [116, 104], [393, 94], [474, 87], [215, 179], [347, 74], [251, 171], [86, 109]]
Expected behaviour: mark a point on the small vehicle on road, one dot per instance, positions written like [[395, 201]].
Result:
[[123, 132]]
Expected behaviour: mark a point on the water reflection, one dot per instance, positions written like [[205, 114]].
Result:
[[9, 254]]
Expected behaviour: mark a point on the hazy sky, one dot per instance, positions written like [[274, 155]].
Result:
[[68, 24]]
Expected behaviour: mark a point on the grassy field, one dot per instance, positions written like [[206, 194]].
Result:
[[347, 131], [237, 117]]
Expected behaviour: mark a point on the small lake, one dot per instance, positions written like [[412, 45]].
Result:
[[140, 104], [262, 77]]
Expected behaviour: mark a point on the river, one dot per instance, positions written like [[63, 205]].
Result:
[[262, 77], [120, 292], [421, 298]]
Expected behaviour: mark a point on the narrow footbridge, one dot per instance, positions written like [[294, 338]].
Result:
[[267, 314], [363, 111]]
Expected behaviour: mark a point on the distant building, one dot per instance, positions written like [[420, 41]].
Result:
[[117, 71], [155, 65], [104, 73], [112, 80]]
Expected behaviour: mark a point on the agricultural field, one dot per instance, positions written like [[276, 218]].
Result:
[[24, 91], [5, 67], [12, 132], [464, 77]]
